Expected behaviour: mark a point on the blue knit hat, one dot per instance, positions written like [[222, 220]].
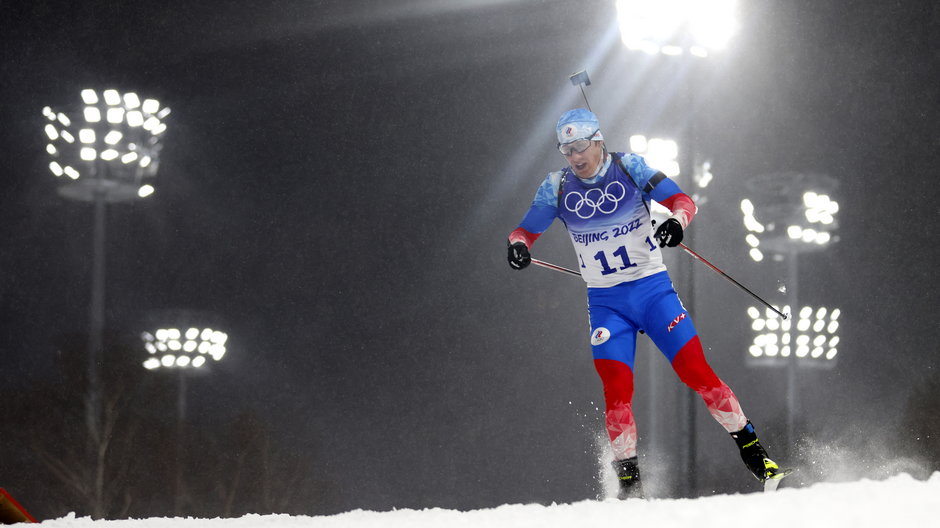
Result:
[[578, 124]]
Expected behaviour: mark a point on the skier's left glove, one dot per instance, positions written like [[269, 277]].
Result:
[[519, 255], [669, 233]]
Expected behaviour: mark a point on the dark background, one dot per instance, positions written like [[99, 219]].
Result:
[[337, 183]]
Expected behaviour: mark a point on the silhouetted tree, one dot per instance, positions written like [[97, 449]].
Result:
[[228, 469], [920, 438]]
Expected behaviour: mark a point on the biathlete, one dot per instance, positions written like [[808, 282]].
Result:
[[603, 198]]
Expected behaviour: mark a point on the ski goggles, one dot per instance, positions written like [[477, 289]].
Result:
[[576, 146]]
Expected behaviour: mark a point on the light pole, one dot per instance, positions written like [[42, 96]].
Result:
[[663, 154], [692, 29], [790, 214], [181, 340], [105, 150]]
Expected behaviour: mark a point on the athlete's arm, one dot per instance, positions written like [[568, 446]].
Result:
[[541, 213], [668, 193]]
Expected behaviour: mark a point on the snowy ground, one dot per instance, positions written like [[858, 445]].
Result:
[[898, 501]]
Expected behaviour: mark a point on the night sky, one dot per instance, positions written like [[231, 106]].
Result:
[[338, 181]]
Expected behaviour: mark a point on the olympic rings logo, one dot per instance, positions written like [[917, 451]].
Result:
[[588, 204]]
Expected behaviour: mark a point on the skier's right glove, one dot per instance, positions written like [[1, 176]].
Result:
[[518, 255]]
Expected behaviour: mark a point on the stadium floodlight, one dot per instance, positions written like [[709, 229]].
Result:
[[785, 222], [118, 148], [703, 174], [677, 27], [189, 348], [111, 97], [92, 114], [812, 337], [789, 214], [145, 190], [89, 96], [184, 344], [115, 115], [659, 152], [91, 170], [131, 100]]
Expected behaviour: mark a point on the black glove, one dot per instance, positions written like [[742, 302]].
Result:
[[518, 255], [669, 233]]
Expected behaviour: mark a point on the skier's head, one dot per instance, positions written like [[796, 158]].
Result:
[[580, 141]]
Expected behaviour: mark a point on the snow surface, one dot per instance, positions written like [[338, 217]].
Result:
[[898, 501]]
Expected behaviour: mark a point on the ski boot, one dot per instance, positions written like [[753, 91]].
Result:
[[628, 475], [755, 458]]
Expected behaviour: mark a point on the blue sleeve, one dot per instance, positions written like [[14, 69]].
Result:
[[665, 189], [641, 172], [544, 206]]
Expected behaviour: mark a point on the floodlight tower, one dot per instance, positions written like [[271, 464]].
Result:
[[790, 214], [181, 344], [689, 30], [184, 341], [664, 155], [105, 150]]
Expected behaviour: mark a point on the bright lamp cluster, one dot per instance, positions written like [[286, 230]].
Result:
[[655, 27], [813, 228], [813, 335], [658, 152], [121, 130], [819, 212], [172, 347]]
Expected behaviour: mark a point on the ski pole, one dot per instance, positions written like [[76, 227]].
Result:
[[736, 283], [549, 265]]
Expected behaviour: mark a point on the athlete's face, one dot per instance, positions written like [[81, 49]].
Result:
[[584, 164]]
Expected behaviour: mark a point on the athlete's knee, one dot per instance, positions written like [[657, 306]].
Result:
[[617, 378], [692, 368]]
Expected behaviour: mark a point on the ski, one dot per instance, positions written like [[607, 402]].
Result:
[[772, 481]]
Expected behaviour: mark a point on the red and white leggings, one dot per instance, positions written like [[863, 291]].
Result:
[[691, 367]]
